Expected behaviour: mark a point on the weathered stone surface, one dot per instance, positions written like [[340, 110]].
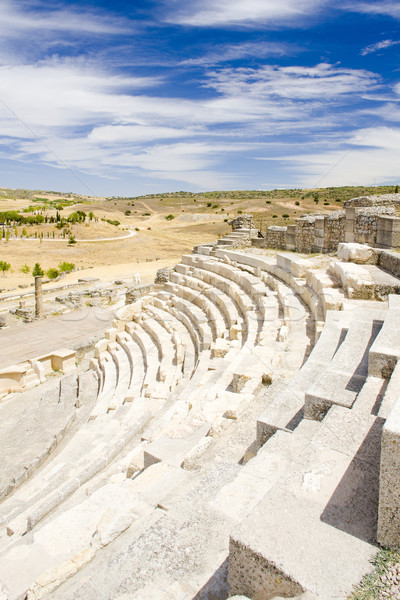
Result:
[[357, 253], [163, 275]]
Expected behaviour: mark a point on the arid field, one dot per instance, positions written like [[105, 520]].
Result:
[[120, 236]]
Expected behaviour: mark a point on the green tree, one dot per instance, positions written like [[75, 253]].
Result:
[[4, 266], [52, 273], [65, 267], [37, 270]]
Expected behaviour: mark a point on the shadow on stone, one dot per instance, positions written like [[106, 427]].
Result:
[[353, 507], [216, 587]]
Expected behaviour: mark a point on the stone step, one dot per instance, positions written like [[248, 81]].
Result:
[[385, 351], [319, 520], [342, 380], [286, 410], [365, 281]]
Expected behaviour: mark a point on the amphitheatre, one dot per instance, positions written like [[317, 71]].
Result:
[[205, 404]]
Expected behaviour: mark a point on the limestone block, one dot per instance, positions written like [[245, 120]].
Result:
[[235, 332], [220, 348], [389, 485], [191, 458], [357, 280], [357, 253], [239, 380], [385, 351], [38, 367], [100, 347], [111, 334]]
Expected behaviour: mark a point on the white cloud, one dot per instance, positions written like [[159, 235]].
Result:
[[390, 8], [229, 52], [378, 46], [71, 112], [22, 17], [323, 81], [208, 13], [369, 157]]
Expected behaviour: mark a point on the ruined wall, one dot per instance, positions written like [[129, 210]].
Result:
[[275, 237], [242, 222], [362, 223], [365, 201], [333, 226], [367, 220], [305, 233]]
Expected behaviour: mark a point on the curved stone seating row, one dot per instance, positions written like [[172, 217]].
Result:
[[247, 291], [318, 292], [239, 299], [195, 295], [47, 415], [184, 349], [190, 333], [114, 364], [197, 316], [222, 300]]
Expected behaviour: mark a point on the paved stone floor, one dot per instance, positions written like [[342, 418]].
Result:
[[18, 343]]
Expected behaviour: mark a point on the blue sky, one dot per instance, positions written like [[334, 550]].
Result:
[[127, 98]]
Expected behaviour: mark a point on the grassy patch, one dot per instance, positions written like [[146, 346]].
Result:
[[377, 585]]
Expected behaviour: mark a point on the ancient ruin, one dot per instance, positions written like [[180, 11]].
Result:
[[235, 433]]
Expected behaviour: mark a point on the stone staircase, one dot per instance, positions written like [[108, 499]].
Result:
[[238, 416]]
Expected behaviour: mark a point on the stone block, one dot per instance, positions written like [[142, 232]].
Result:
[[388, 232], [389, 484], [356, 253], [63, 360]]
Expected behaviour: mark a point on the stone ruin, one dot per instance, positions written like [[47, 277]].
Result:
[[242, 222], [235, 433], [367, 220]]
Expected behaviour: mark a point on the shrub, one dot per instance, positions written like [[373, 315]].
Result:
[[127, 213], [268, 202], [297, 203], [240, 212], [285, 216], [37, 270], [396, 189], [137, 229], [170, 217], [65, 267], [25, 269], [274, 216], [4, 266], [209, 204], [52, 273], [111, 222], [71, 239]]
